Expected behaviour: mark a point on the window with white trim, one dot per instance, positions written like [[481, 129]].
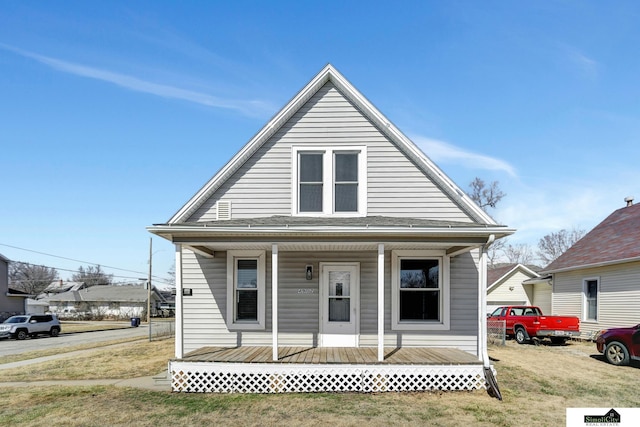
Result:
[[329, 181], [246, 297], [420, 290], [591, 289]]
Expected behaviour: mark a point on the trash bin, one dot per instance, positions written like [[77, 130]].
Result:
[[135, 322]]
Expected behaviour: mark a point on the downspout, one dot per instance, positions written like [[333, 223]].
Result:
[[492, 384]]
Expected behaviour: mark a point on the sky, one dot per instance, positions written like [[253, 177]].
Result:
[[114, 114]]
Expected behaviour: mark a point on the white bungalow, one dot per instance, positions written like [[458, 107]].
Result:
[[330, 254]]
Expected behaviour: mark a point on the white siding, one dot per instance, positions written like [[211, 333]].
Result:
[[205, 310], [618, 299], [396, 187], [503, 295], [542, 297]]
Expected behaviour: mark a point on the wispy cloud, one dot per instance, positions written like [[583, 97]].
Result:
[[440, 151], [587, 65], [246, 107]]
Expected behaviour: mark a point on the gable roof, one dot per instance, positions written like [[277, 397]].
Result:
[[497, 275], [330, 74], [614, 240], [110, 293]]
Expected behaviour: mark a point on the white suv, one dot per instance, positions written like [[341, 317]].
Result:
[[22, 326]]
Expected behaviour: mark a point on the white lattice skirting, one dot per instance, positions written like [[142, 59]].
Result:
[[212, 377]]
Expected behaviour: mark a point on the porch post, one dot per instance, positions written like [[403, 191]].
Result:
[[482, 302], [381, 302], [178, 309], [274, 299]]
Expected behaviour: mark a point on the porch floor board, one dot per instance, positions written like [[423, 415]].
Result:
[[333, 355]]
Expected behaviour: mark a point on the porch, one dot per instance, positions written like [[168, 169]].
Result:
[[325, 369]]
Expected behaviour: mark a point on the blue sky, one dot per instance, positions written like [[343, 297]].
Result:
[[113, 114]]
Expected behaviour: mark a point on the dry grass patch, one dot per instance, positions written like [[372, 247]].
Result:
[[129, 360], [537, 383], [99, 406], [75, 326], [53, 351]]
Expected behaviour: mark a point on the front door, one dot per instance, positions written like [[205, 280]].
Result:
[[339, 304]]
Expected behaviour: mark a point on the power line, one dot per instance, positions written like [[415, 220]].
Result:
[[82, 262]]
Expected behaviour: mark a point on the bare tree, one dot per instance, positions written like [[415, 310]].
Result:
[[519, 254], [551, 246], [485, 196], [172, 276], [494, 252], [30, 278], [92, 276]]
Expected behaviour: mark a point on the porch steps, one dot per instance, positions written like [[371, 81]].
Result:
[[162, 379]]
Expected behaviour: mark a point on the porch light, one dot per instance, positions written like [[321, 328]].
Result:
[[309, 272]]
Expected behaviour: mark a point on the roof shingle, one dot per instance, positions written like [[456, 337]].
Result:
[[615, 239]]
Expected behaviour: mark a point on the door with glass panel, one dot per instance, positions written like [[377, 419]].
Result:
[[339, 304]]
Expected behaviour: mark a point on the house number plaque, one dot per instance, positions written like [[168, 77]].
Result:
[[306, 291]]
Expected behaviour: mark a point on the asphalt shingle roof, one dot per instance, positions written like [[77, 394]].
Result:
[[615, 239], [495, 273], [372, 221]]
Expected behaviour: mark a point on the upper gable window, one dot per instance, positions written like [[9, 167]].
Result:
[[329, 181], [311, 182]]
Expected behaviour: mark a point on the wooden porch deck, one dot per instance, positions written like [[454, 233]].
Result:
[[333, 355]]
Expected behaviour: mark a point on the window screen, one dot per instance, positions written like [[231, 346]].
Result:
[[310, 182], [247, 289]]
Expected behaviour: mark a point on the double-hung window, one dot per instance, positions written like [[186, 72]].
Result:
[[246, 290], [311, 182], [329, 181], [591, 288], [420, 290]]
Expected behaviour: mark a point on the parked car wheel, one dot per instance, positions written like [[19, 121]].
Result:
[[21, 334], [54, 332], [616, 353], [521, 336]]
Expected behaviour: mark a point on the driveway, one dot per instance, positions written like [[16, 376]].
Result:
[[10, 346]]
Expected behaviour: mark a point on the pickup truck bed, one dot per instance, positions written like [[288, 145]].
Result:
[[527, 322]]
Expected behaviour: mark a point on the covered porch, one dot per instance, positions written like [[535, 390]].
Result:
[[250, 369]]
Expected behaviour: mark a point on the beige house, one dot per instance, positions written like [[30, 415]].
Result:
[[598, 278], [517, 284], [330, 254]]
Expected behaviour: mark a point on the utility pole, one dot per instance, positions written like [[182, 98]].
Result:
[[149, 287]]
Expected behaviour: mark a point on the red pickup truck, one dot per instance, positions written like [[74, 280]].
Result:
[[526, 322]]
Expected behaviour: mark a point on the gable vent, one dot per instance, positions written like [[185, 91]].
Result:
[[223, 208]]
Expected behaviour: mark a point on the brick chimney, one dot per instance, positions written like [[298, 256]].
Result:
[[629, 201]]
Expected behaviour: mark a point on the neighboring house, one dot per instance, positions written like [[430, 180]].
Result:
[[598, 278], [332, 250], [122, 302], [517, 284], [11, 301]]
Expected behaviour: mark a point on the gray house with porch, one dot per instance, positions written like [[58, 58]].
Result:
[[330, 254]]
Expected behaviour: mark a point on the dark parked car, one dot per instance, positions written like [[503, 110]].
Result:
[[620, 345]]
